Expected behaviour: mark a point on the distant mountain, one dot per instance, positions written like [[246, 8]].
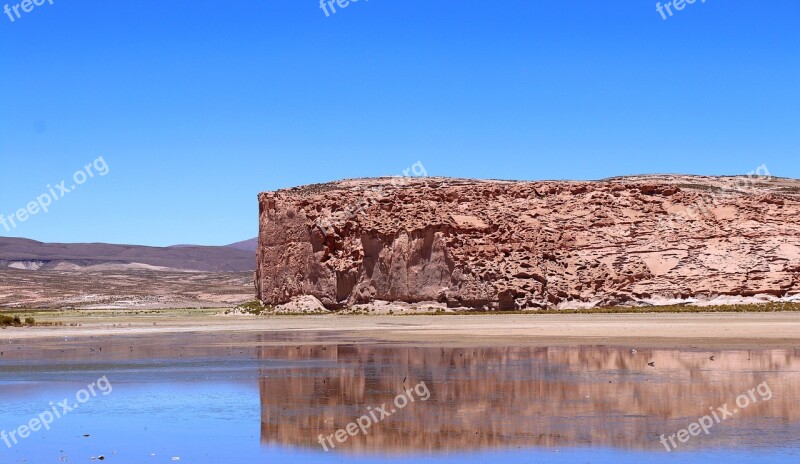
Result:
[[246, 245], [20, 253]]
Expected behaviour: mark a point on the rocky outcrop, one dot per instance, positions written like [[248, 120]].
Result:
[[509, 245]]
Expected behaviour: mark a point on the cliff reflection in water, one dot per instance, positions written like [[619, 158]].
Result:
[[525, 396]]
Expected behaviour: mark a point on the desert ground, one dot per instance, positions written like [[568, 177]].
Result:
[[654, 330], [134, 289], [144, 303]]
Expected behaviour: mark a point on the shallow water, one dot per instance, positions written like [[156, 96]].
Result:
[[271, 398]]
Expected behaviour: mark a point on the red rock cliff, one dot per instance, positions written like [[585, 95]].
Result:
[[503, 244]]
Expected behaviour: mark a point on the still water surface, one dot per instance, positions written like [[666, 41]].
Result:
[[264, 399]]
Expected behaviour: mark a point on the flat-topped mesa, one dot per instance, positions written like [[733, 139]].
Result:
[[512, 245]]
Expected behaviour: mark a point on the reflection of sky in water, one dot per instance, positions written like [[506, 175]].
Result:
[[207, 402]]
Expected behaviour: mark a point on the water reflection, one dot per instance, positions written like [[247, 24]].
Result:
[[486, 398], [186, 392]]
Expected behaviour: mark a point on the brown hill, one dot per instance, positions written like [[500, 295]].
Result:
[[247, 245], [18, 253]]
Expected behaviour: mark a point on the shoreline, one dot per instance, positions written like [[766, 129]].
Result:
[[654, 330]]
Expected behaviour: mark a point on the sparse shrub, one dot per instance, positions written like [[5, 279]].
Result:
[[30, 321], [251, 307], [8, 320], [734, 308]]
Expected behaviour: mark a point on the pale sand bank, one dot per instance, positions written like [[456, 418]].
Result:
[[718, 330]]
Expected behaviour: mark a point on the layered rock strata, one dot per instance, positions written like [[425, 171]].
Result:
[[511, 245]]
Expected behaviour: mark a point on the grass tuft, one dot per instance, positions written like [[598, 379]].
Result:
[[7, 321], [251, 307], [734, 308]]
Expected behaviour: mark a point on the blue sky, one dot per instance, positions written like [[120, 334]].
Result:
[[196, 105]]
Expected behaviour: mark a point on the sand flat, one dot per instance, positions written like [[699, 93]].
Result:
[[717, 330]]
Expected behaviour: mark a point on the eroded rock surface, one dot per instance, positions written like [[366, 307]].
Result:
[[510, 245]]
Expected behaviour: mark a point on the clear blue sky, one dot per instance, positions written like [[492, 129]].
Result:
[[196, 105]]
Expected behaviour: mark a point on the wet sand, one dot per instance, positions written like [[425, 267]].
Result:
[[718, 330]]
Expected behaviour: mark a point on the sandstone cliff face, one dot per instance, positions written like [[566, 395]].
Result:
[[508, 245]]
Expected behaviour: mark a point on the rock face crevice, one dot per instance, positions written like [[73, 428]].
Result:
[[512, 245]]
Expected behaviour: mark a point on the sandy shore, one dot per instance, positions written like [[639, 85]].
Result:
[[718, 330]]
